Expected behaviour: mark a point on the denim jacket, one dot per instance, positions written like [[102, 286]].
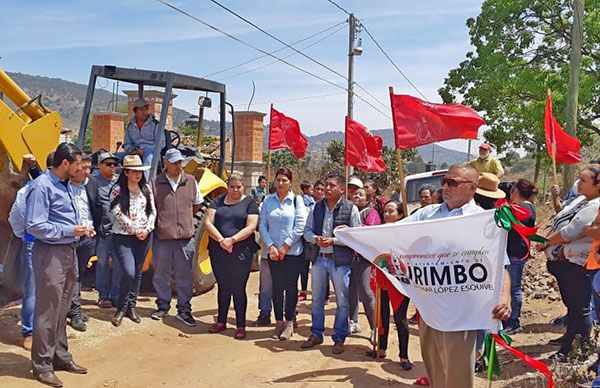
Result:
[[283, 222]]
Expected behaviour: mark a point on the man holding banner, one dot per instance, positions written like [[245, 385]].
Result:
[[454, 279]]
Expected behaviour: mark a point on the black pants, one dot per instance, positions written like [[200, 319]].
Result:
[[304, 275], [130, 253], [285, 285], [401, 324], [232, 276], [84, 250], [576, 292]]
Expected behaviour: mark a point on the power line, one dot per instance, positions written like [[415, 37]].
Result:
[[246, 43], [294, 99], [266, 53], [273, 52], [392, 62], [285, 57], [339, 7], [293, 48], [381, 49], [277, 39]]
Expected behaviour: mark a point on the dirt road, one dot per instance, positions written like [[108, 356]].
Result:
[[169, 354]]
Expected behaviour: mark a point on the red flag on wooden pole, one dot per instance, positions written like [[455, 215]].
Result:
[[418, 122], [284, 133], [363, 149], [567, 148]]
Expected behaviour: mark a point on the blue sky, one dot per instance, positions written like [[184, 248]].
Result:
[[426, 39]]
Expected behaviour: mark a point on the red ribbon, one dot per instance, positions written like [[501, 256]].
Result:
[[532, 362]]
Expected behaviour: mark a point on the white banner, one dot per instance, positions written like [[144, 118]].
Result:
[[451, 268]]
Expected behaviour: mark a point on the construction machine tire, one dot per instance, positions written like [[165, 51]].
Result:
[[204, 279]]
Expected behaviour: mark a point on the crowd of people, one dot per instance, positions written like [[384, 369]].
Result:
[[68, 214]]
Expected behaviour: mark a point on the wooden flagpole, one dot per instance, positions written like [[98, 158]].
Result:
[[376, 321], [554, 174], [269, 151], [400, 166]]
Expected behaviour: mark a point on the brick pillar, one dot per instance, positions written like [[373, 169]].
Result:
[[249, 137], [155, 99], [108, 128]]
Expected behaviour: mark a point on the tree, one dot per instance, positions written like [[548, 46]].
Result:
[[281, 158], [521, 50], [335, 151], [510, 158]]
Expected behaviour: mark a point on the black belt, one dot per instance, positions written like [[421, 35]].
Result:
[[70, 245], [327, 255]]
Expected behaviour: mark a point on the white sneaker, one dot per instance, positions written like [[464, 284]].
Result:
[[354, 328]]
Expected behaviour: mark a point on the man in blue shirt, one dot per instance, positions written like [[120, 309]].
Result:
[[449, 357], [333, 260], [17, 220], [140, 135], [53, 221]]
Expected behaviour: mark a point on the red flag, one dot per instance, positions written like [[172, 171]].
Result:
[[363, 149], [568, 148], [284, 133], [418, 122]]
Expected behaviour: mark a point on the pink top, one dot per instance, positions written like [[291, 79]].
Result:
[[372, 217]]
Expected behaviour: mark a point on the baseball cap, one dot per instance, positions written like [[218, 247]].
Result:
[[173, 155], [485, 146], [106, 155], [356, 182]]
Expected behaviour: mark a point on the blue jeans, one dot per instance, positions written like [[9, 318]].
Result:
[[130, 253], [340, 276], [28, 304], [108, 275], [515, 271], [85, 250], [265, 289]]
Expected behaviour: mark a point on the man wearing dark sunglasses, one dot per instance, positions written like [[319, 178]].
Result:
[[449, 357], [107, 278]]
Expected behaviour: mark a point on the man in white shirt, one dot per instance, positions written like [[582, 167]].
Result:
[[449, 357]]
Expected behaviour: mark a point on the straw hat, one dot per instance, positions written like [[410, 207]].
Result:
[[133, 162], [488, 186]]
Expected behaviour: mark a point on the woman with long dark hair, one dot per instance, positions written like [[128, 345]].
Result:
[[132, 207], [282, 221], [230, 222], [567, 251]]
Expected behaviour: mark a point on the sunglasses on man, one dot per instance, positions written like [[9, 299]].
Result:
[[111, 164], [453, 183]]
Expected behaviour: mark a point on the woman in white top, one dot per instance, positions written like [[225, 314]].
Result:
[[567, 251], [132, 207]]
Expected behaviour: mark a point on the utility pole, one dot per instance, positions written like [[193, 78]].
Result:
[[350, 110], [352, 38], [573, 93]]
